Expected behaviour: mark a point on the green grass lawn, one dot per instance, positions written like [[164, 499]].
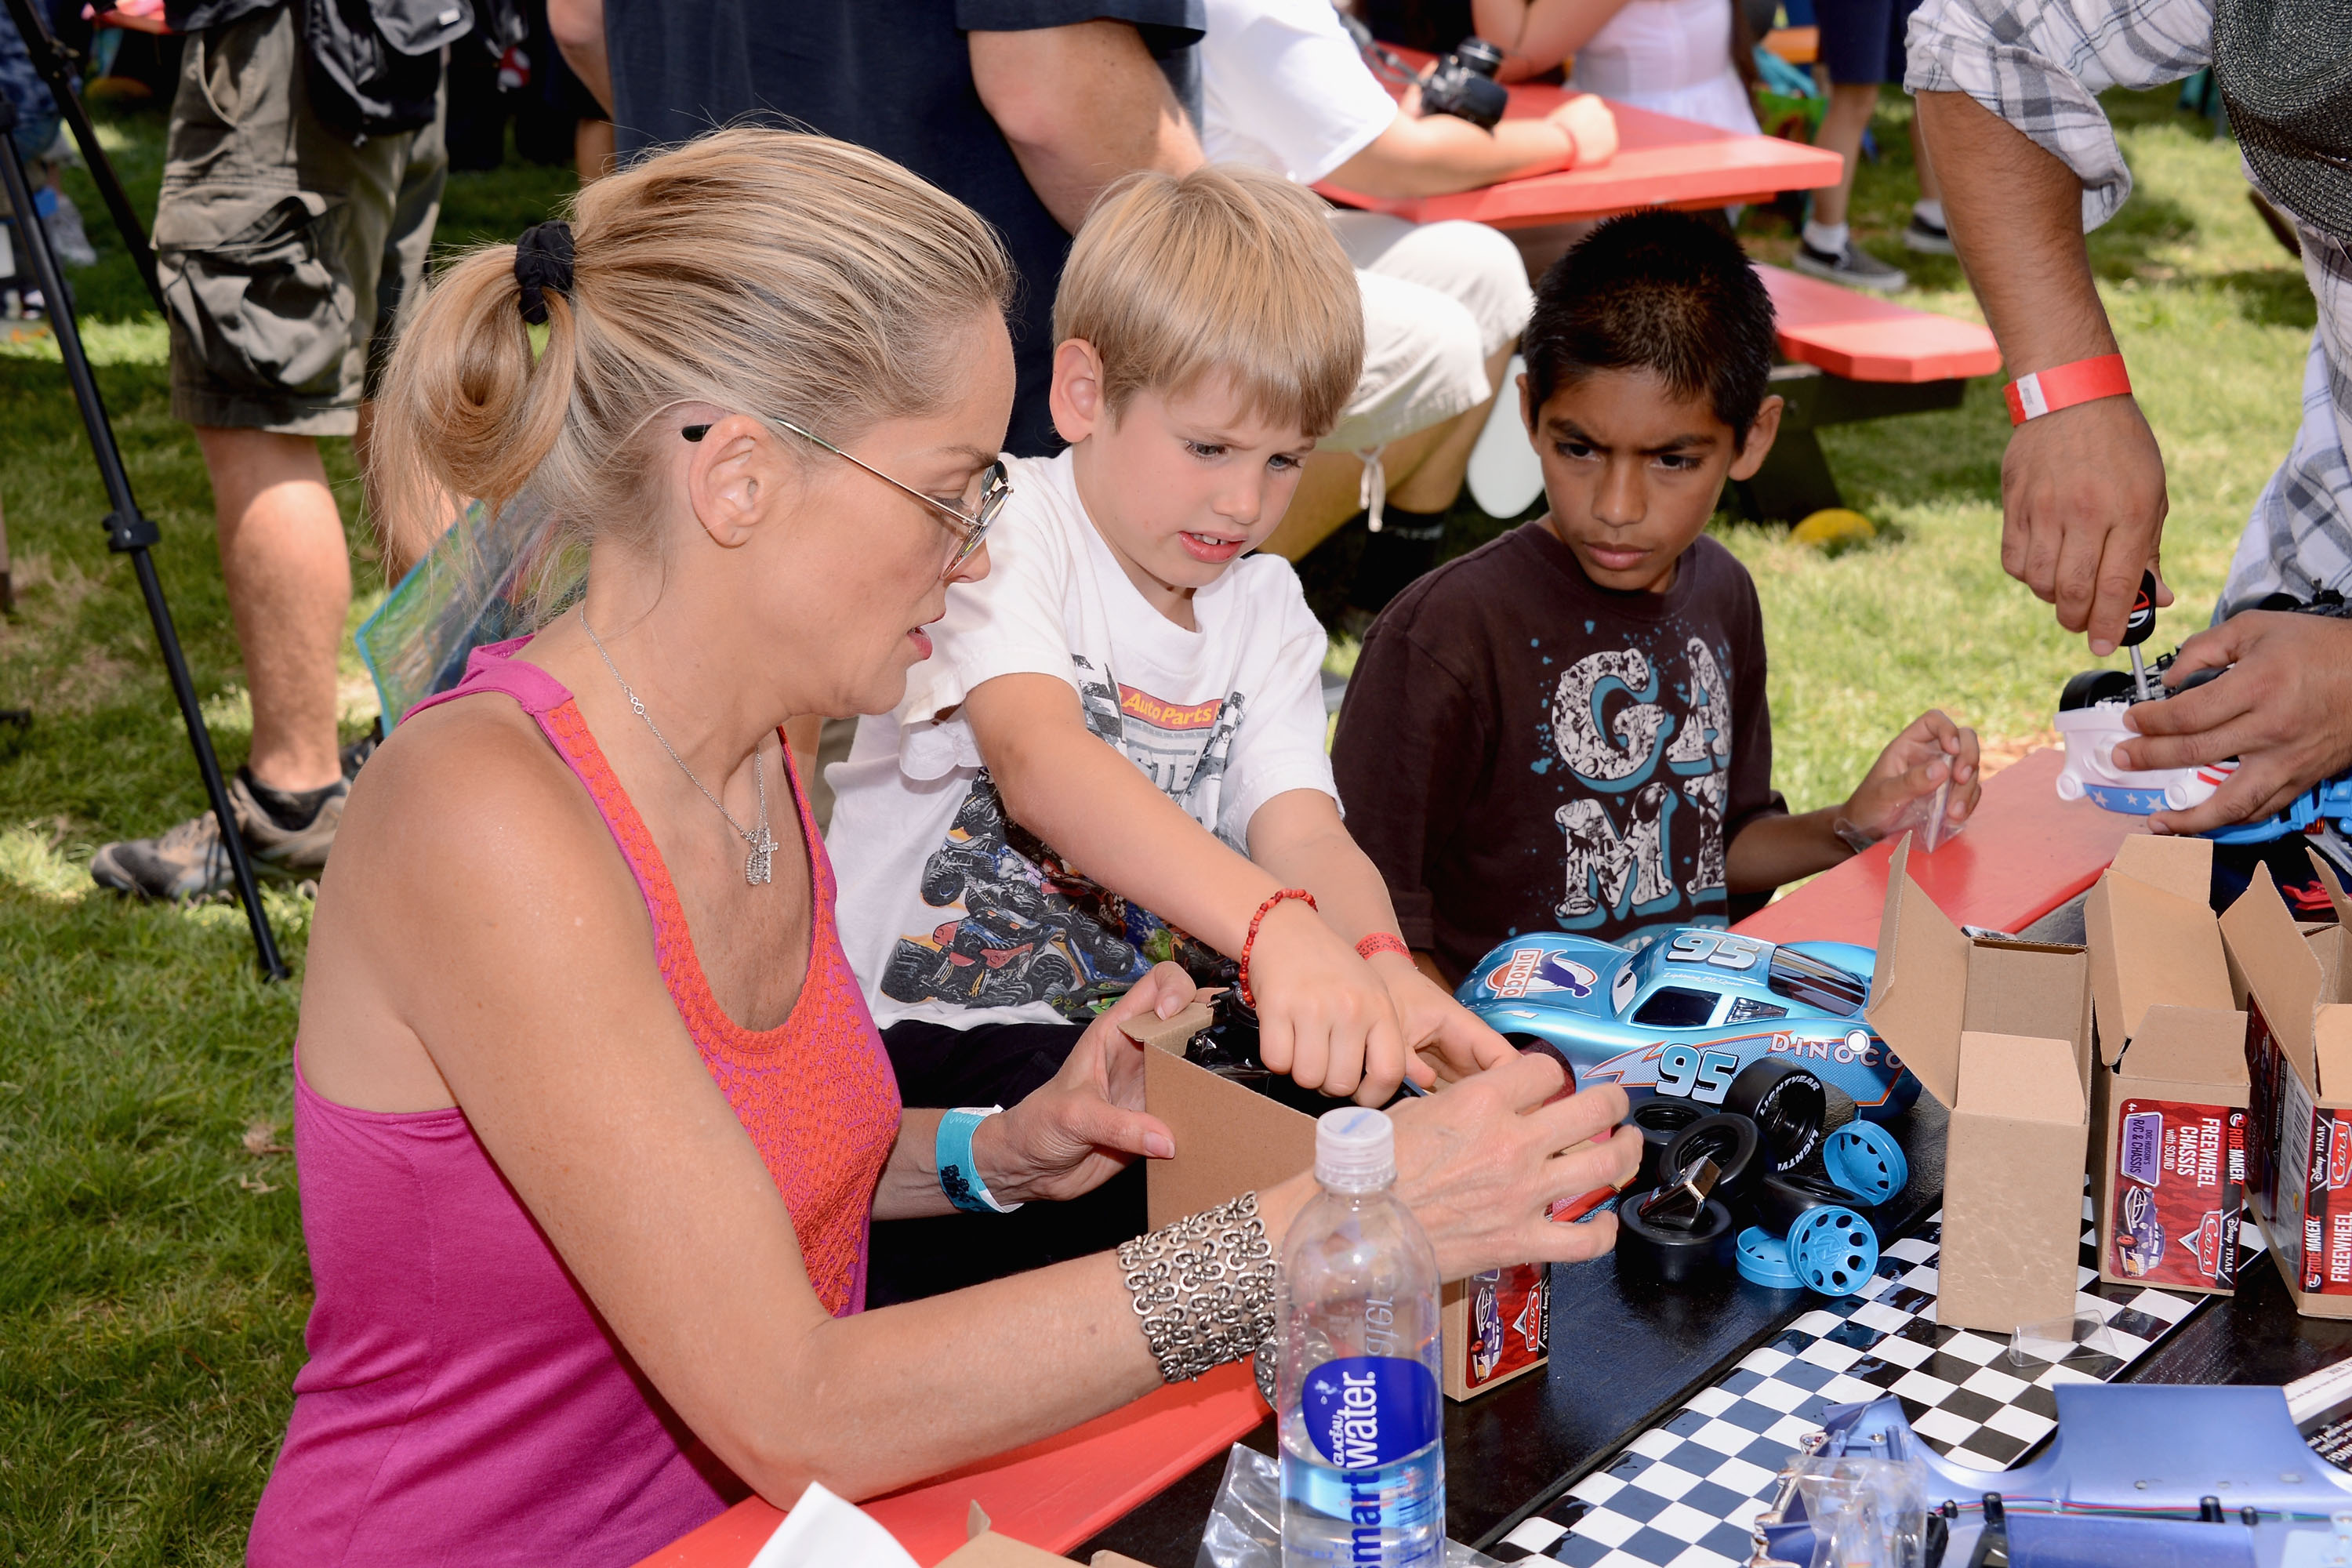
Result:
[[153, 1286]]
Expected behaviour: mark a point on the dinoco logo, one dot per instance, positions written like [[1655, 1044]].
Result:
[[1531, 969]]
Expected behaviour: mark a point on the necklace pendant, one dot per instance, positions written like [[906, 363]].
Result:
[[758, 869]]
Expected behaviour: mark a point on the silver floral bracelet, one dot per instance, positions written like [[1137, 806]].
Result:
[[1203, 1287]]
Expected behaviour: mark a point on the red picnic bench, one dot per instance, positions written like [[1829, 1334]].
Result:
[[1851, 356], [2024, 853], [1661, 161]]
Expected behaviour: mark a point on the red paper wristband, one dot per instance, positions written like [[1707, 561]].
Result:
[[2063, 385], [1249, 942], [1383, 941]]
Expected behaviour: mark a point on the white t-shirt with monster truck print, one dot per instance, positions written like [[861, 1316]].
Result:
[[951, 913]]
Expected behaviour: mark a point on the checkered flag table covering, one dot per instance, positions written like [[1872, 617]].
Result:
[[1686, 1492]]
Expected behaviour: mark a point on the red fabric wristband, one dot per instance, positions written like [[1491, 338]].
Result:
[[2063, 385], [1383, 941], [1249, 942]]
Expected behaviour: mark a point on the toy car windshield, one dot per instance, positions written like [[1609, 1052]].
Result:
[[1808, 980]]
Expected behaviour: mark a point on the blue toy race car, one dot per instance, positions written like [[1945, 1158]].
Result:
[[1681, 1017]]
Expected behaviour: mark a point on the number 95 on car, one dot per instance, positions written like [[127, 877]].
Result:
[[1682, 1015]]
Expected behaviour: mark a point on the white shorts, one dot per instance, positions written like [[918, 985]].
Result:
[[1440, 300]]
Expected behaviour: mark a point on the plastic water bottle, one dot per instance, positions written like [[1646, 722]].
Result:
[[1363, 1456]]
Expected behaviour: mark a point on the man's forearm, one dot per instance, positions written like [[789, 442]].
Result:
[[579, 29], [1081, 106], [2016, 217], [1438, 154]]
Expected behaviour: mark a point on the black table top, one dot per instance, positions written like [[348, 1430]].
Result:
[[1624, 1355]]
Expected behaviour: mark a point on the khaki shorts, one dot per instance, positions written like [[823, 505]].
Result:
[[1440, 300], [285, 251]]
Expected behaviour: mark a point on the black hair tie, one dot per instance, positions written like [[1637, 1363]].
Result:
[[543, 262]]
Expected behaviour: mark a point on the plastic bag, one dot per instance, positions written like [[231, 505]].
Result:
[[485, 581], [1244, 1527], [1866, 1513]]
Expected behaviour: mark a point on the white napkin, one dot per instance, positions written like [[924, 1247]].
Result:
[[824, 1529]]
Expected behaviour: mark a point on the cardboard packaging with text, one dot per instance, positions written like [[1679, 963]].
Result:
[[1230, 1140], [2168, 1100], [2298, 1045], [2000, 1032]]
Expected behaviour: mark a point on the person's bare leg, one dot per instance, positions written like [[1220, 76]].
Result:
[[1851, 106], [290, 588], [1331, 489], [1436, 483], [1930, 188], [594, 148]]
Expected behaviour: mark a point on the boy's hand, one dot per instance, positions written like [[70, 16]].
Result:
[[1932, 750], [1323, 1017], [1434, 1024]]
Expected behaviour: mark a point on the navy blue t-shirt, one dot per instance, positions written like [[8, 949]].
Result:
[[895, 78]]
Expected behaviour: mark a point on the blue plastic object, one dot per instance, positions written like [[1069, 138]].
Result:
[[1866, 1161], [2121, 1450], [1764, 1260], [1833, 1250]]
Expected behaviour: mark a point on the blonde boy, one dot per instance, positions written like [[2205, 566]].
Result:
[[1115, 754]]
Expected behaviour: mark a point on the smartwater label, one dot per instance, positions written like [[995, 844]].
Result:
[[1366, 1411]]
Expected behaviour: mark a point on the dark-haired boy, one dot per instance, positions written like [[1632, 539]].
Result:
[[1566, 729]]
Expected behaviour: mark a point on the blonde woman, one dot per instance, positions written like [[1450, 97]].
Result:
[[590, 1117]]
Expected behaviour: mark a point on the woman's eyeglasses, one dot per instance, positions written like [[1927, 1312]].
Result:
[[972, 528]]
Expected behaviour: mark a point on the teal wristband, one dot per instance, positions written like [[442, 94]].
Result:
[[959, 1177]]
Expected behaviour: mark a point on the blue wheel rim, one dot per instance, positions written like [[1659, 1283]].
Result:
[[1866, 1159], [1833, 1250], [1764, 1260]]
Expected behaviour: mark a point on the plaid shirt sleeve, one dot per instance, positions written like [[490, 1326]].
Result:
[[2039, 64]]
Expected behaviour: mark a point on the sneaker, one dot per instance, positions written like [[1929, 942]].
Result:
[[1928, 238], [66, 235], [355, 755], [189, 861], [1853, 266]]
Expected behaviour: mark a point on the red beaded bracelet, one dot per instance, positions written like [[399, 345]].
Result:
[[1250, 942], [1383, 941]]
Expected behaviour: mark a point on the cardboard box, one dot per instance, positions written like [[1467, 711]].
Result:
[[2168, 1100], [2000, 1032], [2298, 1043], [1230, 1140], [983, 1548]]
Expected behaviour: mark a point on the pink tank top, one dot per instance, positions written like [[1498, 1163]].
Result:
[[463, 1402]]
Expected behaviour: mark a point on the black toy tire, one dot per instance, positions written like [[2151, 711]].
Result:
[[1659, 1121], [1781, 1199], [1789, 1107], [2093, 686], [1675, 1257], [1734, 1146]]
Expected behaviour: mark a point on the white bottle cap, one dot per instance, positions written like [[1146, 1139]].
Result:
[[1355, 1149]]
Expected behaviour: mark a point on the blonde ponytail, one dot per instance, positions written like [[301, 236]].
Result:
[[774, 272]]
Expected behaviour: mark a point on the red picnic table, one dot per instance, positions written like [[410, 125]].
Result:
[[1660, 161], [2025, 852]]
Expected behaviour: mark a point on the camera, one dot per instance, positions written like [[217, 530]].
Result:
[[1462, 84]]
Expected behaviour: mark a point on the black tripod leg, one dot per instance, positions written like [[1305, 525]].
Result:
[[50, 60], [130, 533]]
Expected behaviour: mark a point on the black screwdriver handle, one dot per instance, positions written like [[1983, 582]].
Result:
[[2142, 619]]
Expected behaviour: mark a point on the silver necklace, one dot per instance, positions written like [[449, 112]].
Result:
[[757, 869]]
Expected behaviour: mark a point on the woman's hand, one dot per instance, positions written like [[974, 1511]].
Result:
[[1915, 764], [1323, 1017], [1434, 1024], [1481, 1165], [1088, 1122], [1590, 126]]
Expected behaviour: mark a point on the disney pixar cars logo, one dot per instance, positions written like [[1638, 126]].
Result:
[[1532, 969]]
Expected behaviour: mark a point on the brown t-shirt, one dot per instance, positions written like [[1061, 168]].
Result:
[[1521, 750]]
